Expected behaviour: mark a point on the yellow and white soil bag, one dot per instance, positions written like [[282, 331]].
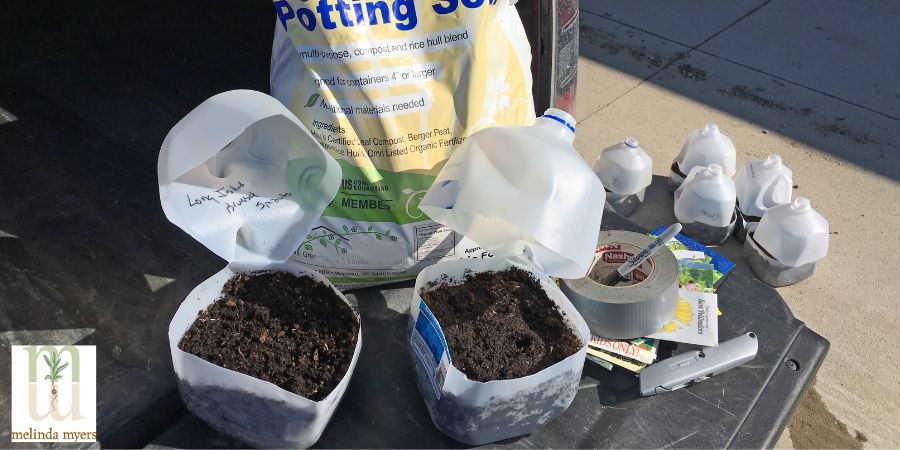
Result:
[[391, 88]]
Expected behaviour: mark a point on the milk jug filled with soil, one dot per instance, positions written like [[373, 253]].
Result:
[[625, 170], [271, 351], [702, 148], [704, 204], [786, 244], [497, 348], [760, 185]]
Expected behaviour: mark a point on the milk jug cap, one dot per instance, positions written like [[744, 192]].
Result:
[[539, 199], [710, 129], [773, 161], [243, 176]]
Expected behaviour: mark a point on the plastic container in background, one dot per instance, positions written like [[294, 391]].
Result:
[[243, 176], [786, 244], [625, 170], [539, 208], [704, 204], [702, 148], [760, 185]]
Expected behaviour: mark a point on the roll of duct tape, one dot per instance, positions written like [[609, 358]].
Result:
[[631, 309]]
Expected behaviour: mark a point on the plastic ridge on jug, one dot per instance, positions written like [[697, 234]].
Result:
[[760, 185], [704, 204], [537, 208], [625, 170], [702, 148]]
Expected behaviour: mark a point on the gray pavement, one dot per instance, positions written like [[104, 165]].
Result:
[[817, 82]]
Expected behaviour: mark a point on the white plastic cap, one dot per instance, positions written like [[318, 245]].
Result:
[[710, 129], [773, 161]]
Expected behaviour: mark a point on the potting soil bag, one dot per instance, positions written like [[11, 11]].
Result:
[[391, 88], [244, 177]]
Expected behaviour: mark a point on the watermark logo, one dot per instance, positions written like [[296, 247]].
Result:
[[54, 393]]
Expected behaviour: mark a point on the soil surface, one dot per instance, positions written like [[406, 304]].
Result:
[[814, 426], [500, 325], [294, 332]]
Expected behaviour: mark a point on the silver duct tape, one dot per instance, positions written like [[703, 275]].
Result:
[[770, 270], [633, 309]]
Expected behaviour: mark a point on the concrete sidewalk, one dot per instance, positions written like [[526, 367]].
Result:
[[819, 84]]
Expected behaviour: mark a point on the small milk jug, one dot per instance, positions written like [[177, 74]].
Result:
[[760, 185], [625, 170], [786, 244], [527, 197], [702, 148], [704, 204]]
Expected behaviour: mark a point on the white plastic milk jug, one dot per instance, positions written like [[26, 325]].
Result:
[[794, 234], [625, 170], [760, 185], [526, 196], [788, 241], [512, 188], [704, 204], [702, 148]]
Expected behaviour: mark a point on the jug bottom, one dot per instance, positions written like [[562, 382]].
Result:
[[770, 270], [709, 234], [625, 205]]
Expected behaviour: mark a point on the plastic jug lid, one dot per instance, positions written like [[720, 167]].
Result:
[[710, 129], [631, 142], [773, 161], [245, 178], [522, 190], [801, 204]]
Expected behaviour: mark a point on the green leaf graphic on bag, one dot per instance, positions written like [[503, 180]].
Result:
[[312, 100]]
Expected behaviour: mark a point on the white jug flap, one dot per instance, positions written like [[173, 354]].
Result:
[[543, 203], [243, 176]]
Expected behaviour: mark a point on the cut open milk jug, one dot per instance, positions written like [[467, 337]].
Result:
[[625, 170], [702, 148], [245, 178], [704, 204], [760, 185], [526, 196], [786, 244]]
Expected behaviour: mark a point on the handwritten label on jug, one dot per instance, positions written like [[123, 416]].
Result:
[[263, 204], [710, 214], [231, 198]]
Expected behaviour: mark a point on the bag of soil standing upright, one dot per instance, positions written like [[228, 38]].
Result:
[[390, 88], [243, 177]]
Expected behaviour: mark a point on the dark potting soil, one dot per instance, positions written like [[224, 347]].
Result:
[[294, 332], [500, 325]]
